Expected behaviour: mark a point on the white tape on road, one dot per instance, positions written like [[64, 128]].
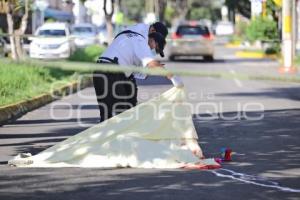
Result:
[[90, 67], [255, 180], [237, 81], [232, 71]]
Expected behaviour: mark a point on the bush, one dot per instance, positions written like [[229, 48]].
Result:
[[297, 60], [236, 39], [22, 81], [273, 49], [199, 13], [87, 54], [262, 29], [240, 29]]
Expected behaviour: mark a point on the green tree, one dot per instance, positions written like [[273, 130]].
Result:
[[273, 10], [162, 4], [133, 9], [16, 25], [263, 29], [199, 13], [241, 6], [204, 10], [108, 18]]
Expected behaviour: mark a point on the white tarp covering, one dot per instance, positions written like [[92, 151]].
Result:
[[156, 134]]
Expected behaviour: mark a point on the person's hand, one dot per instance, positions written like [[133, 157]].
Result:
[[155, 64], [177, 82]]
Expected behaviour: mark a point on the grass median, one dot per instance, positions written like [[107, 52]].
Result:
[[20, 82]]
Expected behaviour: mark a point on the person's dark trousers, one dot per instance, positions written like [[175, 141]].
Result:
[[115, 93]]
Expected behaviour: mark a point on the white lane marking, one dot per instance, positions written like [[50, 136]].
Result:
[[255, 180], [232, 71], [237, 81]]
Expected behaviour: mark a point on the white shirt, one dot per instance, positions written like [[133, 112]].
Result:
[[130, 49], [140, 28]]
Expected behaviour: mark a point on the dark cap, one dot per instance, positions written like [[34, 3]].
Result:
[[160, 40], [161, 28]]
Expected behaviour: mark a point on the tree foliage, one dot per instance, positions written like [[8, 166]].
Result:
[[17, 14], [241, 6], [263, 29], [133, 9]]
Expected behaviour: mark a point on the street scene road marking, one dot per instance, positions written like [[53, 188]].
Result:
[[255, 180], [232, 71], [237, 81]]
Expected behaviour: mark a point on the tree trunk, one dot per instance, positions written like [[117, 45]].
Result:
[[18, 44], [162, 8], [181, 7], [21, 31], [108, 17], [15, 35], [10, 23], [110, 30]]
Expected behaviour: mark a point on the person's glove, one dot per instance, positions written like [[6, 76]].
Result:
[[177, 82]]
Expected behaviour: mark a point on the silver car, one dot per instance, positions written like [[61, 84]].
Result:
[[191, 39], [84, 34], [5, 47]]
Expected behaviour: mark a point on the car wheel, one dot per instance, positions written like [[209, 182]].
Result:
[[208, 58], [172, 58]]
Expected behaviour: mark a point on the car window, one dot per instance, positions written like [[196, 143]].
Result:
[[82, 30], [192, 30], [52, 32]]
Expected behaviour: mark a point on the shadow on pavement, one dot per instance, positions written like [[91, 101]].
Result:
[[136, 184], [154, 80], [291, 93], [49, 121], [34, 143], [269, 147], [218, 60], [195, 60], [252, 60]]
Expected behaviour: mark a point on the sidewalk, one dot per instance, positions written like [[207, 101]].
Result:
[[260, 66]]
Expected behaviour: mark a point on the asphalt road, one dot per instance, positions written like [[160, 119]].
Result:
[[258, 120]]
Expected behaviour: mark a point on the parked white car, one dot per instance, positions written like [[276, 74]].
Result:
[[52, 41], [85, 34]]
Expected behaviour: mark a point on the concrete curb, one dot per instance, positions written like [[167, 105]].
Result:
[[255, 55], [13, 111]]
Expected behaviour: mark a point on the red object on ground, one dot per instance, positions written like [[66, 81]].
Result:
[[200, 166], [227, 156], [218, 160]]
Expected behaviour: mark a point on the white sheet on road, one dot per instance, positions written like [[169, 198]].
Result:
[[156, 134]]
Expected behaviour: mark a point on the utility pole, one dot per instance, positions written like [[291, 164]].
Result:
[[294, 26], [287, 36], [264, 8]]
